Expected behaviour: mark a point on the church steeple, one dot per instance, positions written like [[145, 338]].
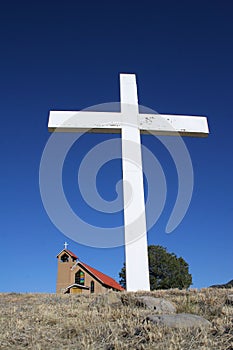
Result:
[[66, 260]]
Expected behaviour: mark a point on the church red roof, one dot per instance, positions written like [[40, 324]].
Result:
[[102, 277]]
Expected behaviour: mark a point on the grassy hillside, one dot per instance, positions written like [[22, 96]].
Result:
[[112, 322]]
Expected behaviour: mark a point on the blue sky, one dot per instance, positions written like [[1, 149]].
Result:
[[68, 56]]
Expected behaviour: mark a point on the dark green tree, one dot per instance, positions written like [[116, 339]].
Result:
[[122, 277], [166, 270]]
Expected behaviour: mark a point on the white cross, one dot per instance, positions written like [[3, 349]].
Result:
[[130, 122], [65, 245]]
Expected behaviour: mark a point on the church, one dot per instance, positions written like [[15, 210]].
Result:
[[74, 276]]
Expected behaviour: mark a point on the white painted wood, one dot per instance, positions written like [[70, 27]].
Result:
[[165, 124], [129, 122], [72, 121], [161, 124], [136, 254]]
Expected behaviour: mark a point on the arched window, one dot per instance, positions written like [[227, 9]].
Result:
[[80, 277], [92, 286], [64, 257]]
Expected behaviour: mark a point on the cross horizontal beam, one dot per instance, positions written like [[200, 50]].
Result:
[[72, 121], [112, 122], [166, 124]]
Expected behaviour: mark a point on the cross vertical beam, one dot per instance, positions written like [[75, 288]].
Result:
[[136, 251]]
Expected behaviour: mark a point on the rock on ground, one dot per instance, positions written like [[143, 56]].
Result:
[[229, 299], [158, 305], [179, 321]]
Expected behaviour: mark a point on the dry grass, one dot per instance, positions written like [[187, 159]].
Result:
[[46, 321]]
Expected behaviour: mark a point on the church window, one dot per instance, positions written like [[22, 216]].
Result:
[[65, 258], [80, 277], [92, 286]]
